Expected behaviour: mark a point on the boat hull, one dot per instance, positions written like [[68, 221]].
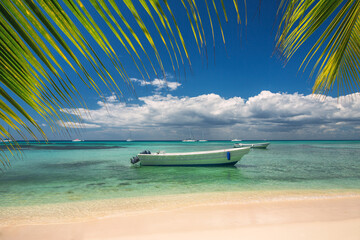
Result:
[[255, 145], [206, 158]]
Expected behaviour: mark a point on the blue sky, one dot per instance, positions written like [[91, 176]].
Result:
[[243, 91]]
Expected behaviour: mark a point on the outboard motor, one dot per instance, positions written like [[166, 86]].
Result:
[[145, 152], [136, 159]]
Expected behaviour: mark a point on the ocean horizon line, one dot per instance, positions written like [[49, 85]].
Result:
[[180, 140]]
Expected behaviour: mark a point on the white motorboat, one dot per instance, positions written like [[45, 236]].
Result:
[[77, 140], [236, 140], [253, 145], [189, 140], [204, 158]]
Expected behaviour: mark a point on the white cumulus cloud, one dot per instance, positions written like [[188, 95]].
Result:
[[266, 115], [111, 98], [77, 125], [159, 84]]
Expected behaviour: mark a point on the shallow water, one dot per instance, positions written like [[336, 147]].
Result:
[[67, 172]]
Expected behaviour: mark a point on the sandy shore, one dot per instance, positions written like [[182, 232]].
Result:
[[250, 215]]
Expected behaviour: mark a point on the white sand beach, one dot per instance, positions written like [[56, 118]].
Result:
[[228, 215]]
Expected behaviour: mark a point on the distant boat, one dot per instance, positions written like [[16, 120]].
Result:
[[236, 140], [129, 138], [202, 138], [254, 145], [77, 140], [190, 139], [6, 140], [205, 158]]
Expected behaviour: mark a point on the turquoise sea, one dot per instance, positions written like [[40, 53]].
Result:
[[59, 172]]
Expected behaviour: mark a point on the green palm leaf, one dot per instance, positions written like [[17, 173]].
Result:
[[338, 61], [39, 39]]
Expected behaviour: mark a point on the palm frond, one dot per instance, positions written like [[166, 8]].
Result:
[[40, 40], [338, 47]]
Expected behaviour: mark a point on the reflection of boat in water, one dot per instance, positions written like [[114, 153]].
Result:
[[204, 158], [197, 176], [254, 145], [77, 140]]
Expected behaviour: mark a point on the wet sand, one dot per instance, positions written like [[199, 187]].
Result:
[[245, 215]]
